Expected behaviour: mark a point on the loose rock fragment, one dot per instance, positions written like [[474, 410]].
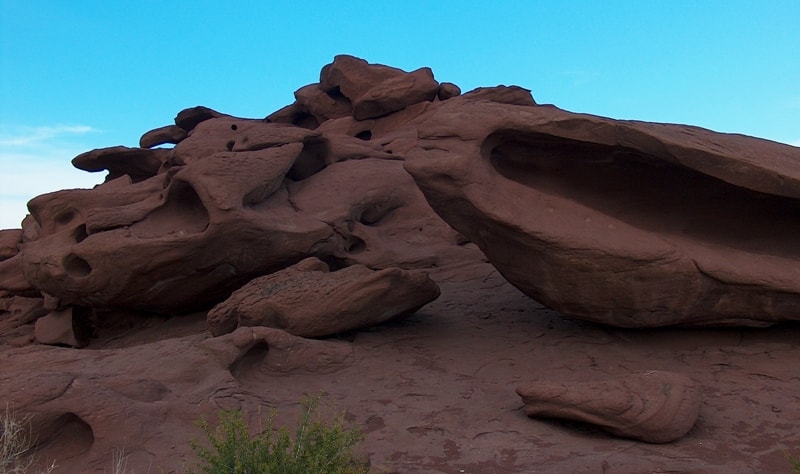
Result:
[[653, 406], [310, 301]]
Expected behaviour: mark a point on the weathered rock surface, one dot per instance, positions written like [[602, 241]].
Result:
[[92, 403], [309, 300], [237, 199], [653, 406], [9, 243], [234, 200], [626, 223]]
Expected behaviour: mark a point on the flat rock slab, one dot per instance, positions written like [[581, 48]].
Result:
[[652, 406], [309, 300]]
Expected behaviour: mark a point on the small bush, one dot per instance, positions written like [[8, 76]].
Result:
[[795, 462], [316, 448]]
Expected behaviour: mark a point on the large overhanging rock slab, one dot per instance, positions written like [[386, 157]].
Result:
[[310, 301], [653, 406], [626, 223]]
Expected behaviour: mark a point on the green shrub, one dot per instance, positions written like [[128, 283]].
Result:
[[316, 448], [795, 462]]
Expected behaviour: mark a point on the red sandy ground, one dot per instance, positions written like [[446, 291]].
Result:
[[435, 392]]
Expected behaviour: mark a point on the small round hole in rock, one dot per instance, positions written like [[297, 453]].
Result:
[[234, 127], [65, 217], [364, 135], [77, 266]]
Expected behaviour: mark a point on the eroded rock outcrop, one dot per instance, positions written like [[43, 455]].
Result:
[[173, 230], [626, 223], [653, 406], [309, 300]]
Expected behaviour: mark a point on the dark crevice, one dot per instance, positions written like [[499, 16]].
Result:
[[335, 263], [336, 94], [355, 245], [65, 217], [80, 233], [305, 120], [310, 161], [250, 361], [374, 212], [648, 192]]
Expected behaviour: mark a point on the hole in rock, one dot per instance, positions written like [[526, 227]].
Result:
[[183, 213], [364, 135], [248, 365], [355, 245], [83, 323], [62, 437], [310, 161], [305, 121], [234, 127], [80, 234], [65, 217], [648, 192], [335, 263], [230, 145], [336, 94], [375, 212], [76, 266]]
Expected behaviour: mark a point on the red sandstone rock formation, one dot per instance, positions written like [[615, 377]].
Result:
[[625, 223]]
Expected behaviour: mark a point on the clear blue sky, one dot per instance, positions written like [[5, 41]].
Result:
[[77, 75]]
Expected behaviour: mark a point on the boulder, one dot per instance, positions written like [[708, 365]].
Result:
[[12, 277], [511, 95], [187, 119], [309, 300], [652, 406], [138, 163], [58, 328], [448, 90], [376, 90], [323, 105], [168, 134], [9, 243], [625, 223]]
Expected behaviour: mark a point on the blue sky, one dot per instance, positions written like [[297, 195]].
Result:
[[79, 75]]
